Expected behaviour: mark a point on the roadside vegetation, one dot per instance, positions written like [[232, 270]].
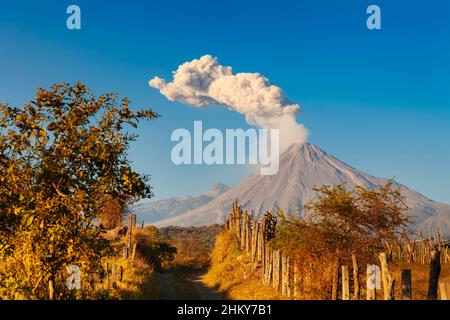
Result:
[[63, 158], [233, 274]]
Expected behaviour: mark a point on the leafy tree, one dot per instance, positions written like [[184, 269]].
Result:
[[343, 222], [111, 213], [338, 224], [60, 156]]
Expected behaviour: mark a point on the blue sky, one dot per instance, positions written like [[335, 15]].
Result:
[[378, 100]]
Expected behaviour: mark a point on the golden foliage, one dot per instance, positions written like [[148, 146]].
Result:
[[60, 155]]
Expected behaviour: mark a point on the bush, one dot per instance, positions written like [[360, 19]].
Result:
[[154, 248], [337, 225]]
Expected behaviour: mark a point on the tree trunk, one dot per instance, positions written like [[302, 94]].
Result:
[[345, 283], [406, 284]]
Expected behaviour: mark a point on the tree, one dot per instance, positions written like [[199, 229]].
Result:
[[358, 221], [111, 213], [341, 223], [60, 156]]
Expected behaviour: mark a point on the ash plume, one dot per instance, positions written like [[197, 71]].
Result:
[[203, 82]]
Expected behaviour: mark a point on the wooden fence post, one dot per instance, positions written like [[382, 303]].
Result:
[[413, 253], [243, 230], [239, 222], [248, 235], [130, 231], [406, 284], [439, 239], [444, 287], [276, 270], [133, 252], [265, 264], [285, 276], [335, 283], [255, 232], [268, 277], [435, 270], [51, 289], [260, 244], [345, 283], [264, 249], [355, 277], [388, 278], [421, 248]]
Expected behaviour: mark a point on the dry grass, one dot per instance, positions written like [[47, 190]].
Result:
[[139, 282], [139, 277], [233, 274]]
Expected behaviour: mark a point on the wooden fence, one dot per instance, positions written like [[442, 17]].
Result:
[[418, 250], [113, 271], [280, 270]]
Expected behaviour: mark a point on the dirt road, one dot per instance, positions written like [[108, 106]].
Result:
[[186, 285]]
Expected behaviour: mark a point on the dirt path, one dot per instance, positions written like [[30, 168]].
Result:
[[166, 290], [186, 285]]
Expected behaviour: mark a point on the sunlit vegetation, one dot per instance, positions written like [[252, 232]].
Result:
[[154, 248], [340, 224], [233, 273], [67, 182], [63, 158]]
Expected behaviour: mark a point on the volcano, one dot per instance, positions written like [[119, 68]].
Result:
[[302, 167]]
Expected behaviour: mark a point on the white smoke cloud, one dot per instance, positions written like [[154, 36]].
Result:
[[202, 82]]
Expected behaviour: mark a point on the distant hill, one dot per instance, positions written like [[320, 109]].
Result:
[[154, 211]]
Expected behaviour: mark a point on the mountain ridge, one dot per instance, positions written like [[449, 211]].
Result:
[[302, 167], [153, 211]]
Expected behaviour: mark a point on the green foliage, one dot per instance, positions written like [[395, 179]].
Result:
[[60, 156]]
